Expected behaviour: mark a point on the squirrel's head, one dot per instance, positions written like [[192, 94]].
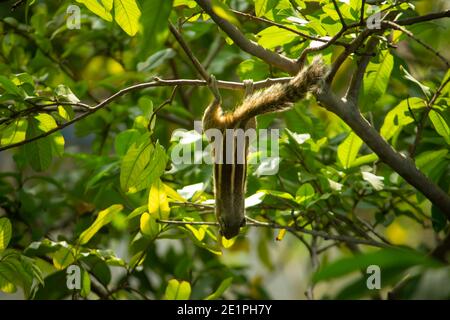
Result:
[[229, 228]]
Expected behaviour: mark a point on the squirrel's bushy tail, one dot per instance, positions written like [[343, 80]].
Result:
[[279, 97]]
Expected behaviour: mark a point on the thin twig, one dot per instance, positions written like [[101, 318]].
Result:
[[339, 14], [357, 78], [421, 125], [412, 36], [157, 83], [260, 224], [162, 105], [201, 70], [361, 18]]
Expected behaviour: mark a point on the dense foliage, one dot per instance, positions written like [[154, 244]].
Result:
[[87, 122]]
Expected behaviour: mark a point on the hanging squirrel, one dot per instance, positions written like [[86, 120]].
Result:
[[230, 176]]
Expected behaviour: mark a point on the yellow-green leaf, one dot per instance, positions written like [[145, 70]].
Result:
[[304, 193], [95, 7], [172, 194], [263, 6], [104, 217], [397, 118], [63, 258], [376, 78], [5, 233], [126, 14], [149, 226], [224, 12], [440, 124], [177, 290], [348, 150], [13, 132], [85, 284], [227, 243], [221, 289], [158, 204], [133, 164]]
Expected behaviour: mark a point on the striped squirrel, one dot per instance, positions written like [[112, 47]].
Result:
[[230, 178]]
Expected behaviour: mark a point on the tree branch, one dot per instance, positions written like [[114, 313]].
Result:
[[156, 83], [201, 70], [357, 78], [260, 224], [277, 60], [424, 18], [405, 167], [339, 14], [394, 25]]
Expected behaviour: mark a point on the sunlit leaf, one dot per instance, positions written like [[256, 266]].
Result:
[[440, 120], [127, 14], [148, 225], [177, 290], [14, 132], [348, 150], [63, 258], [158, 204], [104, 217], [376, 78], [5, 233], [399, 117], [98, 9], [304, 193]]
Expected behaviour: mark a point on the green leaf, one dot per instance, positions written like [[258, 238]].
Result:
[[278, 194], [7, 278], [101, 10], [124, 140], [438, 119], [263, 6], [63, 93], [39, 152], [224, 285], [273, 37], [10, 87], [5, 233], [399, 117], [141, 165], [304, 193], [178, 290], [127, 14], [365, 159], [224, 12], [432, 163], [253, 69], [63, 258], [104, 217], [385, 258], [134, 163], [14, 132], [85, 284], [348, 150], [376, 78], [426, 90], [158, 204], [137, 212], [155, 15], [149, 226], [66, 112]]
